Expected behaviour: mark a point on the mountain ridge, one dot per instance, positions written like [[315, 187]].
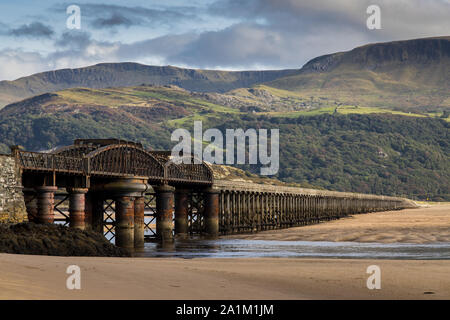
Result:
[[409, 74], [123, 74], [388, 51], [401, 74]]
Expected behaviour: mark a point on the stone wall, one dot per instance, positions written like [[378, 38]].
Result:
[[12, 204]]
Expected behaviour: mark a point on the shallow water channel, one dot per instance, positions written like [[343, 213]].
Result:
[[238, 248]]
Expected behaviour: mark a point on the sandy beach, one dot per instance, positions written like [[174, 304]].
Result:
[[44, 277], [426, 224]]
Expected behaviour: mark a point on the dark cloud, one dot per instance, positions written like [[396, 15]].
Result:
[[74, 39], [32, 30], [105, 15], [114, 20], [102, 16]]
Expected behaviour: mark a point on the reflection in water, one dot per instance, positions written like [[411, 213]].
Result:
[[200, 248]]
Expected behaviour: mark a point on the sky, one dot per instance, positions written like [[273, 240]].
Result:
[[207, 34]]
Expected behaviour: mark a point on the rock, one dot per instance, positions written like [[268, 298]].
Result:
[[55, 240]]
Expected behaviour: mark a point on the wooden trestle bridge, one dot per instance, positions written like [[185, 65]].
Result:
[[119, 188]]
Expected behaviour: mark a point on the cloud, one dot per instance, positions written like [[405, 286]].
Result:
[[287, 33], [74, 39], [400, 19], [18, 63], [78, 49], [114, 20], [163, 47], [73, 50], [237, 46], [104, 16], [32, 30]]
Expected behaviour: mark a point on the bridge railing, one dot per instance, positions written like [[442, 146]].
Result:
[[188, 172], [115, 162], [49, 162]]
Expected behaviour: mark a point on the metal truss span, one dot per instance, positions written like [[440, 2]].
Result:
[[113, 158]]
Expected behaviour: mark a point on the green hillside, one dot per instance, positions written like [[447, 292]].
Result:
[[346, 148], [369, 153]]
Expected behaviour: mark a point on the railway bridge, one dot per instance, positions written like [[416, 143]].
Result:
[[128, 193]]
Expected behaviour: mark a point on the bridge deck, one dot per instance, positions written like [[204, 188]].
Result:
[[240, 186]]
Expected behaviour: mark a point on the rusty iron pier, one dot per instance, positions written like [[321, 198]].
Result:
[[124, 191]]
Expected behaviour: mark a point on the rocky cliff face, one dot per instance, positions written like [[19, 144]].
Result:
[[379, 56]]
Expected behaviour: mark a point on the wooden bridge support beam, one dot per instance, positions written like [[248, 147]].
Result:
[[164, 212], [30, 199], [181, 212], [139, 224], [259, 215], [211, 212], [77, 207], [45, 203]]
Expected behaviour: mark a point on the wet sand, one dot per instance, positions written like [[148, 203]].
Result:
[[422, 225], [43, 277]]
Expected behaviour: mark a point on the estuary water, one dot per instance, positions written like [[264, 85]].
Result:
[[238, 248]]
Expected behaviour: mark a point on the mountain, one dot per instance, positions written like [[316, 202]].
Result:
[[411, 74], [131, 74]]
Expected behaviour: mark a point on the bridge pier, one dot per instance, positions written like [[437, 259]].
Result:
[[139, 225], [77, 207], [164, 212], [94, 212], [124, 222], [123, 191], [181, 212], [45, 203], [211, 212]]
